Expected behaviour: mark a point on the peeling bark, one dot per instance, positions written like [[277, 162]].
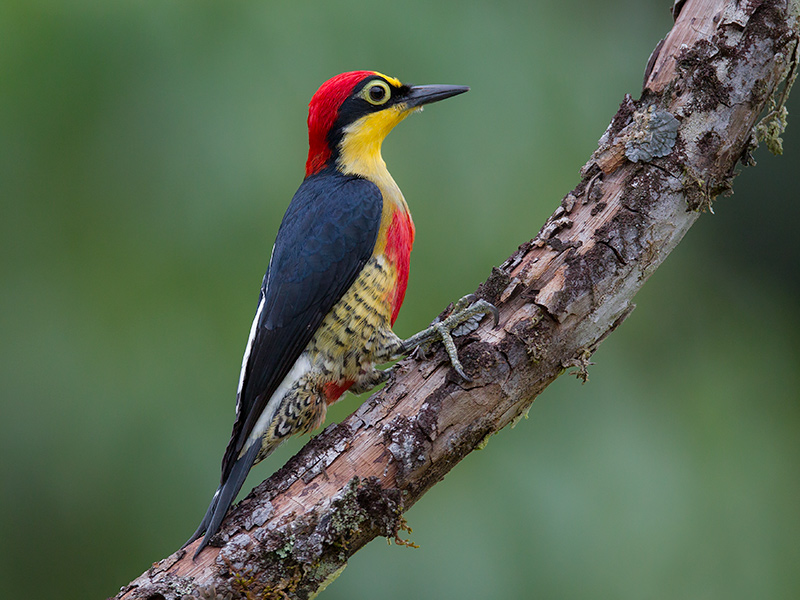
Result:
[[661, 162]]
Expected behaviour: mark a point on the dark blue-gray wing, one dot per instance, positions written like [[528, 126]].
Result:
[[327, 235]]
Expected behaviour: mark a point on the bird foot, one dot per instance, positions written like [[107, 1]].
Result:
[[464, 319]]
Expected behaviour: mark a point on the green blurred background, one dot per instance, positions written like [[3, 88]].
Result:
[[147, 153]]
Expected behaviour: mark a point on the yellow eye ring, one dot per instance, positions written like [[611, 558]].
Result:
[[377, 92]]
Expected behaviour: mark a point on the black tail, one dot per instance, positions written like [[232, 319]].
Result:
[[223, 498]]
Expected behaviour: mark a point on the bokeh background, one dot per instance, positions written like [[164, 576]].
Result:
[[148, 150]]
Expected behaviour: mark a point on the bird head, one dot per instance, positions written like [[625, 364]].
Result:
[[352, 113]]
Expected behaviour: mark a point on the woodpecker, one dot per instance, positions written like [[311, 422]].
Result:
[[335, 282]]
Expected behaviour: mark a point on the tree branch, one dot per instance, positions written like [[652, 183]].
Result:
[[662, 160]]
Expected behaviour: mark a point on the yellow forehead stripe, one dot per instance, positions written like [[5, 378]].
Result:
[[393, 80]]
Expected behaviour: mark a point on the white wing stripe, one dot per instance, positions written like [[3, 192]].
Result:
[[252, 337], [248, 349]]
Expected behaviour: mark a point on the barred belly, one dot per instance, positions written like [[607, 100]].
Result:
[[354, 336]]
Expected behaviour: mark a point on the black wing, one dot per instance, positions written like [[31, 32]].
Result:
[[327, 235]]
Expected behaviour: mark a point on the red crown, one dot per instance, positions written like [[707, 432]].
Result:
[[322, 112]]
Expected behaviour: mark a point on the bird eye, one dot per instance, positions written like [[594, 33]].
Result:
[[377, 92]]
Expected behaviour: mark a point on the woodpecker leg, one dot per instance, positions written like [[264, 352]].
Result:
[[465, 318]]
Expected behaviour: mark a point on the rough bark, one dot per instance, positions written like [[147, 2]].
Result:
[[661, 162]]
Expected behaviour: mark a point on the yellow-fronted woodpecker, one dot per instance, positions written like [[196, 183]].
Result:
[[335, 282]]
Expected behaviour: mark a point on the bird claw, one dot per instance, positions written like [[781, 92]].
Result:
[[465, 318], [463, 303], [446, 337], [468, 313]]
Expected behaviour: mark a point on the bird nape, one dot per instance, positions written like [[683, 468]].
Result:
[[335, 281]]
